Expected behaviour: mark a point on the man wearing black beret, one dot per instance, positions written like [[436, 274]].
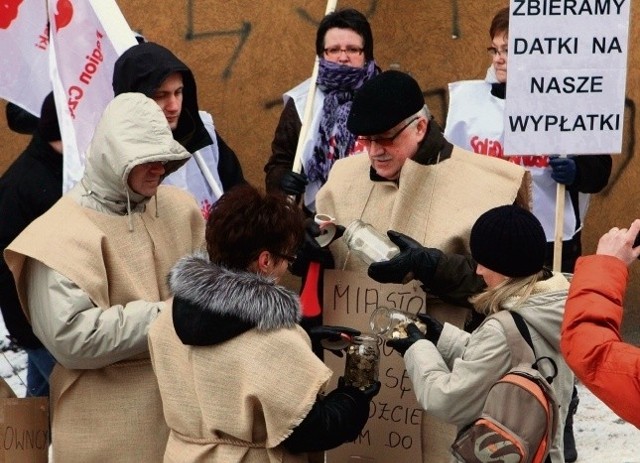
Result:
[[419, 185]]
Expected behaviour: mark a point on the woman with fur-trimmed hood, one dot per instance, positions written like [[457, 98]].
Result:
[[238, 379]]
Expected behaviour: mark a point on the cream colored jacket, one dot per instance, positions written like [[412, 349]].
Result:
[[91, 276]]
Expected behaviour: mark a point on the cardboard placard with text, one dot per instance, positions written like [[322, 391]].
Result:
[[393, 432], [24, 430]]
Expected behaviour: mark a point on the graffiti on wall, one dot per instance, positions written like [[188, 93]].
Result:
[[436, 98], [368, 12], [243, 32]]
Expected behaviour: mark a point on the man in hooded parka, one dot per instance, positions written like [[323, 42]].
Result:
[[151, 69], [91, 276]]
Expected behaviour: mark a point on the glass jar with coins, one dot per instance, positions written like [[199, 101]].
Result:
[[362, 361], [391, 323]]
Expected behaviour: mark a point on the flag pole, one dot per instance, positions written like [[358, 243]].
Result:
[[308, 109], [559, 230], [309, 297]]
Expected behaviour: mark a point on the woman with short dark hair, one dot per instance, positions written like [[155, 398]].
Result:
[[238, 379]]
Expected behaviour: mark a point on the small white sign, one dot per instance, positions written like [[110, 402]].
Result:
[[566, 76]]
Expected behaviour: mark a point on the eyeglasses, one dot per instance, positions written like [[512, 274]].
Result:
[[288, 257], [493, 51], [334, 52], [386, 141]]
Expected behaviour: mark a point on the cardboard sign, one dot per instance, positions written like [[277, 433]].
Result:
[[393, 432], [24, 430], [567, 75]]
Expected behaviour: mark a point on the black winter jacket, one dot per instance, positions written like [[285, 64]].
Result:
[[31, 185]]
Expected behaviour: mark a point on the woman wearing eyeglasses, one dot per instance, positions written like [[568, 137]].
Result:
[[237, 376], [344, 44], [475, 121]]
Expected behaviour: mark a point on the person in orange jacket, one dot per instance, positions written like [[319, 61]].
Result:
[[590, 339]]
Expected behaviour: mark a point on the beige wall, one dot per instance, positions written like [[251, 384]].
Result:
[[241, 82]]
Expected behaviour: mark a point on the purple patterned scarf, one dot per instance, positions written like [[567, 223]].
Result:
[[334, 141]]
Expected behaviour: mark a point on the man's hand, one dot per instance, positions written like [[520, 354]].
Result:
[[564, 170], [621, 243], [311, 251], [293, 183], [402, 345], [414, 261]]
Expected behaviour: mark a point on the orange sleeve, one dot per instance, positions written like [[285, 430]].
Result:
[[591, 342]]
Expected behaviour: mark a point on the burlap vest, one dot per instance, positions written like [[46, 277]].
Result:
[[265, 383], [111, 414], [435, 204]]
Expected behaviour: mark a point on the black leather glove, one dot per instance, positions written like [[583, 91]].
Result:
[[369, 392], [332, 338], [293, 183], [434, 328], [332, 421], [414, 262], [402, 345], [311, 251], [372, 390]]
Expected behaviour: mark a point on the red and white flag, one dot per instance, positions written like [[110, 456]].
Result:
[[24, 53], [87, 36]]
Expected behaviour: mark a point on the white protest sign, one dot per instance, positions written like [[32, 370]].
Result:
[[393, 432], [24, 53], [567, 75], [85, 44]]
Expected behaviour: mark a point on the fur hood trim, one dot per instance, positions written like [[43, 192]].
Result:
[[252, 298]]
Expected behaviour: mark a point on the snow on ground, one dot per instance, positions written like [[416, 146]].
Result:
[[13, 363], [600, 435]]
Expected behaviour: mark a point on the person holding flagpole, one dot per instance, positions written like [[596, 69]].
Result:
[[154, 70], [475, 122], [312, 134], [344, 45]]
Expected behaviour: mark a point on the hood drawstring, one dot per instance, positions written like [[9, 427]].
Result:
[[130, 220], [156, 199]]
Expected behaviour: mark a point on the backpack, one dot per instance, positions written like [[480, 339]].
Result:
[[520, 414]]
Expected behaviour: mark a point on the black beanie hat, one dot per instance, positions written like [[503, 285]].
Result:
[[509, 240], [48, 124], [383, 102]]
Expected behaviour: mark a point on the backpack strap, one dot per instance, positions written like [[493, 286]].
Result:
[[524, 330], [516, 330], [521, 352]]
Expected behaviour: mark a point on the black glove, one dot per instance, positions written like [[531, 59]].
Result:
[[369, 393], [564, 170], [311, 251], [332, 338], [402, 345], [372, 390], [293, 183], [434, 328], [414, 262]]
